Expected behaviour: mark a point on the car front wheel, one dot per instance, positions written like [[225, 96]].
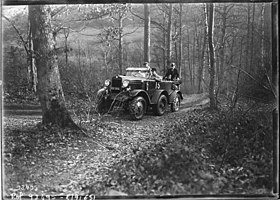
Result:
[[100, 101], [176, 103], [161, 106], [137, 108]]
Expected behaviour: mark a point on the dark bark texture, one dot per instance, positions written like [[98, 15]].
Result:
[[49, 86]]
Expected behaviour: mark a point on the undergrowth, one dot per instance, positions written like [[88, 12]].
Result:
[[204, 152]]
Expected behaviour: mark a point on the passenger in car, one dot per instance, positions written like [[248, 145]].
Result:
[[154, 75], [146, 64]]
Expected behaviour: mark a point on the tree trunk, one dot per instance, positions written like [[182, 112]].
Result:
[[147, 33], [49, 86], [120, 42], [32, 70], [180, 41], [169, 34], [222, 49], [28, 47], [252, 40], [193, 61], [165, 46], [66, 49], [189, 58], [210, 30], [262, 36], [248, 37], [201, 61]]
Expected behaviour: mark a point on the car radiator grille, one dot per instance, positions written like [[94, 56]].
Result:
[[116, 85]]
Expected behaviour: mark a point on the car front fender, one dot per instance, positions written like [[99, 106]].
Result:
[[142, 93]]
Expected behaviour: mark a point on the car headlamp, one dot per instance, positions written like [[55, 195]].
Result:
[[174, 87], [107, 82], [125, 83]]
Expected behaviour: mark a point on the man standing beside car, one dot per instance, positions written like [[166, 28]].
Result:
[[172, 73]]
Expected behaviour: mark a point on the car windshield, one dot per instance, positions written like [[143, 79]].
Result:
[[138, 73]]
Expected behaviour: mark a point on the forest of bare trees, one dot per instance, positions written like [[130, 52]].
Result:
[[107, 39], [56, 58]]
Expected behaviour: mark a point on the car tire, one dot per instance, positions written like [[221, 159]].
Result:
[[100, 101], [175, 106], [161, 106], [102, 104], [137, 108], [126, 106]]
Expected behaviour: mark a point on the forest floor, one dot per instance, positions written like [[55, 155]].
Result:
[[177, 153]]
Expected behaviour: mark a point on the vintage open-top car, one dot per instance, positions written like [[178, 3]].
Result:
[[138, 91]]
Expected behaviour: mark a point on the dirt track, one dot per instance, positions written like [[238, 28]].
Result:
[[189, 102]]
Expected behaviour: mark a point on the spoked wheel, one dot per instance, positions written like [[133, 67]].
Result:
[[137, 108], [176, 104], [161, 106]]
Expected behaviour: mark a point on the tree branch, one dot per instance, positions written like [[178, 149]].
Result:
[[152, 22], [269, 89], [20, 36], [131, 32], [55, 12]]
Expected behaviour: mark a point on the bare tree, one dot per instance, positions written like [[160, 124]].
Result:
[[147, 32], [169, 34], [252, 39], [221, 47], [180, 39], [121, 18], [202, 59], [210, 30], [248, 35], [28, 47]]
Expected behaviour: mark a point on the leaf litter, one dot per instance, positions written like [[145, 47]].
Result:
[[177, 153]]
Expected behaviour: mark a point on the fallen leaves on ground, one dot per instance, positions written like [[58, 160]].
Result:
[[197, 152]]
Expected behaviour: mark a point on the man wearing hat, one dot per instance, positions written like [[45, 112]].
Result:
[[172, 73]]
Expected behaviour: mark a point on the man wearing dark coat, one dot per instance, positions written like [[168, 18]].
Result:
[[172, 73]]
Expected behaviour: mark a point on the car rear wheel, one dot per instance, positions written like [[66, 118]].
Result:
[[176, 103], [137, 108], [161, 106]]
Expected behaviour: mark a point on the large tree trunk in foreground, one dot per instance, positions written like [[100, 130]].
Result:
[[49, 86]]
